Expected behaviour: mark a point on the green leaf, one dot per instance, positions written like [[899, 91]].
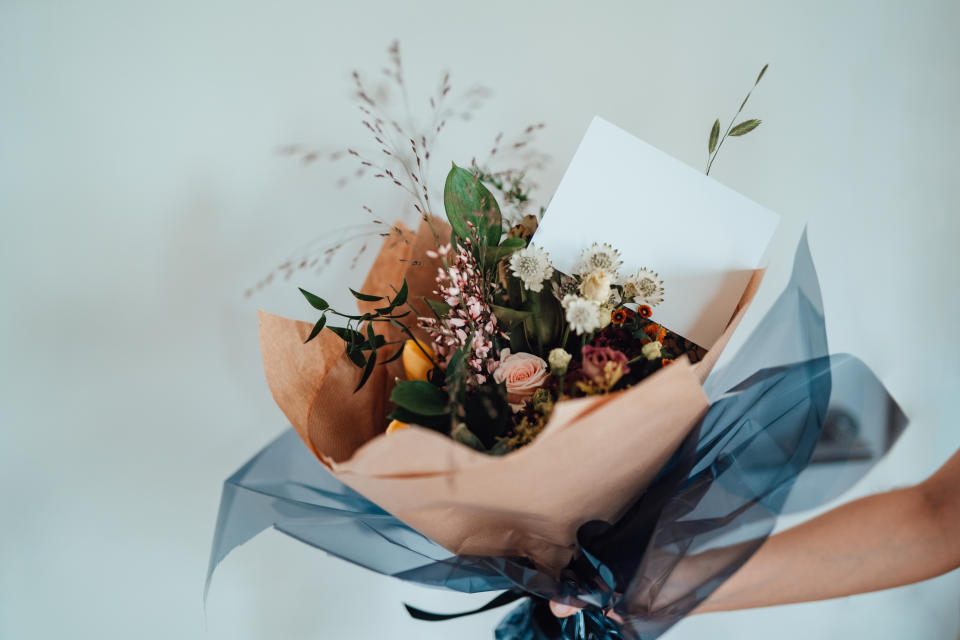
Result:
[[463, 435], [401, 297], [714, 136], [762, 71], [744, 127], [317, 328], [366, 297], [543, 326], [356, 356], [504, 250], [420, 397], [465, 199], [510, 316], [394, 356], [437, 423], [455, 375], [348, 335], [316, 302], [438, 307], [398, 300], [501, 448], [371, 362]]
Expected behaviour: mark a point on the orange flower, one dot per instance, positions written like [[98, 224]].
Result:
[[661, 334], [666, 361], [620, 316], [645, 311], [651, 330]]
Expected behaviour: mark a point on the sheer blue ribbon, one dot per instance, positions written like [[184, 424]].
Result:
[[790, 427]]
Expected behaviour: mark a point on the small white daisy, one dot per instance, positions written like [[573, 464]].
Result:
[[600, 257], [532, 266], [644, 287], [583, 316]]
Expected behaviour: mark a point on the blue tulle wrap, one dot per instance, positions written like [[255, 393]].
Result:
[[789, 427]]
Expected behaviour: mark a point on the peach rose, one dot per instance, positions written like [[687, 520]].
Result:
[[523, 374]]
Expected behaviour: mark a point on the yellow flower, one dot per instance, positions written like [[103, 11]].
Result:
[[396, 425], [416, 365]]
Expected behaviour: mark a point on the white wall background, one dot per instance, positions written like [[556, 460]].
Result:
[[141, 194]]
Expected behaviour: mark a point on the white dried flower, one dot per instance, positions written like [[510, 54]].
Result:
[[532, 266], [595, 287], [559, 360], [651, 350], [583, 316], [644, 287], [600, 257]]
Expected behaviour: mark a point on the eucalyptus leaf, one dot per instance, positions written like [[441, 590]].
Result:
[[465, 199], [317, 328], [744, 127], [316, 302], [420, 397], [714, 136]]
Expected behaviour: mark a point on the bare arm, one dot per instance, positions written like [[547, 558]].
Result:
[[878, 542]]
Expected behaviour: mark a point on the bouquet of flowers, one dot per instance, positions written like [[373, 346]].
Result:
[[485, 421]]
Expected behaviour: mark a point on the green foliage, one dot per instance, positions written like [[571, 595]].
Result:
[[462, 434], [487, 412], [437, 423], [421, 398], [317, 328], [544, 322], [316, 302], [510, 317], [467, 200], [360, 340], [494, 255], [743, 128]]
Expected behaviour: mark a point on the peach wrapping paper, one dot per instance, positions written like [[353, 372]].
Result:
[[592, 461]]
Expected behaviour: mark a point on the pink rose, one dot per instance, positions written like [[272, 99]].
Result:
[[523, 374], [603, 366]]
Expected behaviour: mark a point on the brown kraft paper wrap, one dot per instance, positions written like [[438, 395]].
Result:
[[595, 456]]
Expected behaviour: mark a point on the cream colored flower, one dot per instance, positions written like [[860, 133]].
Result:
[[532, 266], [644, 287], [600, 257], [651, 350], [559, 361], [583, 316], [595, 286]]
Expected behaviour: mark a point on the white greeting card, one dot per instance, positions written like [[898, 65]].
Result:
[[703, 238]]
